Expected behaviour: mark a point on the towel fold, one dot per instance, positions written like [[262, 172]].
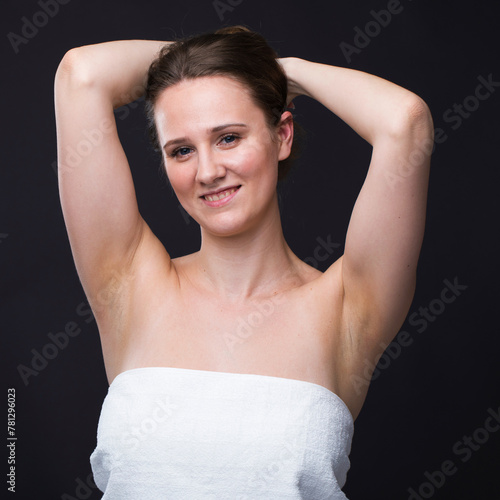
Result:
[[177, 433]]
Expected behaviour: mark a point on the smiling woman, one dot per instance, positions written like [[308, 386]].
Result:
[[227, 156], [231, 369]]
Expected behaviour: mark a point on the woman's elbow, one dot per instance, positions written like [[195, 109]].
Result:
[[73, 68], [415, 118]]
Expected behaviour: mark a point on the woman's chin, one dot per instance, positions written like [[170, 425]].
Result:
[[225, 226], [223, 231]]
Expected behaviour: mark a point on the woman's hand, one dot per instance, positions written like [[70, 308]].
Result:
[[294, 89]]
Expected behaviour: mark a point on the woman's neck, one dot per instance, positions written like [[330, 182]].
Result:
[[250, 264]]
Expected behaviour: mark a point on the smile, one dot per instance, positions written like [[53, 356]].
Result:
[[220, 198]]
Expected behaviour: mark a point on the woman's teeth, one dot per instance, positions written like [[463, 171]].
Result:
[[219, 196]]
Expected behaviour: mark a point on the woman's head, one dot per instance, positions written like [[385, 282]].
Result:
[[233, 52], [220, 157]]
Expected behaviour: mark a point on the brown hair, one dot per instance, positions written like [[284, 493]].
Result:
[[235, 52]]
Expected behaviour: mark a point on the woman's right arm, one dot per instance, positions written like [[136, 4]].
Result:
[[96, 188]]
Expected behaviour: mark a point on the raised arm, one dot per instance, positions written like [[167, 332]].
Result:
[[384, 237], [95, 183]]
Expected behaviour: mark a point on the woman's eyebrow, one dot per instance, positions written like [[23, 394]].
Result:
[[181, 140], [228, 125]]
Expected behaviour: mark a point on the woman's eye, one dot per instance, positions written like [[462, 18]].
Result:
[[184, 151], [228, 139]]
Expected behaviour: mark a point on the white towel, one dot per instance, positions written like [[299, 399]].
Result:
[[178, 433]]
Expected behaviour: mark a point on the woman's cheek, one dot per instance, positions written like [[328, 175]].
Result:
[[180, 178], [250, 159]]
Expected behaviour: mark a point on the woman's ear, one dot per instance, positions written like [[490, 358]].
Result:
[[285, 135]]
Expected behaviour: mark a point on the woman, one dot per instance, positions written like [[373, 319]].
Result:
[[203, 402]]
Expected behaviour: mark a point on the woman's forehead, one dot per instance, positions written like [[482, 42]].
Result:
[[204, 104], [204, 86]]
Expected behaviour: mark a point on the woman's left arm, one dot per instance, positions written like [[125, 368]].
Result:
[[385, 232]]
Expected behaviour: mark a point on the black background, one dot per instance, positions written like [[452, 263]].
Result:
[[428, 396]]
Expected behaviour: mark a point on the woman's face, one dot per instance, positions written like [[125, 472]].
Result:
[[220, 157]]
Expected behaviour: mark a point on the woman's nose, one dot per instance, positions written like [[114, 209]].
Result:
[[210, 167]]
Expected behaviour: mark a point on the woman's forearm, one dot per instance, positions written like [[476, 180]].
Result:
[[116, 68], [370, 105]]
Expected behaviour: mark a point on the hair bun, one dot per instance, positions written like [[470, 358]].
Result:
[[231, 30]]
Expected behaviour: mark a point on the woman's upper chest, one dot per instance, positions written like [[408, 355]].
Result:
[[187, 319], [294, 332]]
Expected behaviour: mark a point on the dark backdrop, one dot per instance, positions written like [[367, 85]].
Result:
[[430, 402]]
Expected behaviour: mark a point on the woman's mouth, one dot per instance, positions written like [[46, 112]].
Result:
[[221, 197]]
